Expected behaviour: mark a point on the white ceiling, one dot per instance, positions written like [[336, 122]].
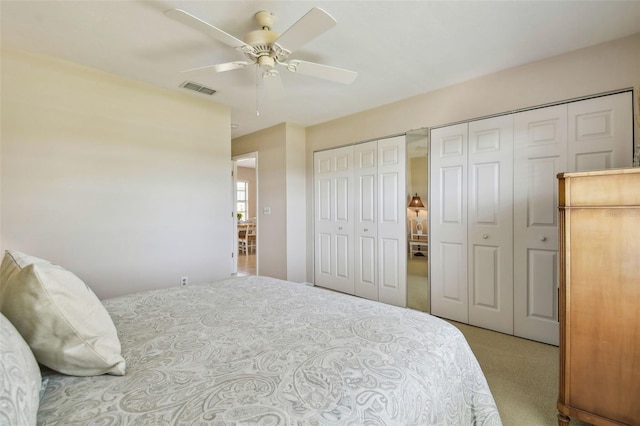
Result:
[[399, 48]]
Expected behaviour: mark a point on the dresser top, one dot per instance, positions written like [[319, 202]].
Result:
[[599, 172]]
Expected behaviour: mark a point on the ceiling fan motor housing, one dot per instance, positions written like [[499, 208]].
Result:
[[265, 19], [262, 42]]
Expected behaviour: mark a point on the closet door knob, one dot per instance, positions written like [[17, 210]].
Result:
[[543, 238], [485, 236]]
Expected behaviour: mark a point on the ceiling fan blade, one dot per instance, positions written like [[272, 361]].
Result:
[[310, 26], [325, 72], [228, 66], [206, 28], [273, 85]]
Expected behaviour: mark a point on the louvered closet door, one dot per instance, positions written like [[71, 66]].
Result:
[[365, 166], [334, 219], [540, 142], [392, 217], [601, 133], [448, 214], [490, 229]]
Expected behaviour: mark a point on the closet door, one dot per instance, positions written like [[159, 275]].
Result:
[[540, 142], [392, 217], [601, 133], [366, 206], [334, 222], [448, 230], [490, 223]]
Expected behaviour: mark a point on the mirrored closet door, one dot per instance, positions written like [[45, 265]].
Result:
[[417, 213]]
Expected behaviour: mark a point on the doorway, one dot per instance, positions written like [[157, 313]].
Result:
[[246, 234], [417, 220]]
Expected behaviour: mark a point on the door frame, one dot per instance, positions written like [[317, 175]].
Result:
[[235, 159]]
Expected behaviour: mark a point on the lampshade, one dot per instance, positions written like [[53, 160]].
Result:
[[416, 202]]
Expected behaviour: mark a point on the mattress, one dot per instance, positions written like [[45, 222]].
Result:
[[257, 350]]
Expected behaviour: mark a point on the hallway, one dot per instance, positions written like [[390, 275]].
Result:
[[246, 264]]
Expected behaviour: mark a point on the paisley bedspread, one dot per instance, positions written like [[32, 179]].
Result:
[[261, 351]]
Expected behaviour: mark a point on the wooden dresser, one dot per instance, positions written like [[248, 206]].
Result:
[[599, 300]]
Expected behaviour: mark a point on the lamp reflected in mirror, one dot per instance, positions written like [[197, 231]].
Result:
[[416, 204]]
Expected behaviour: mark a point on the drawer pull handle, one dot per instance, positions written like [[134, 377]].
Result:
[[485, 236]]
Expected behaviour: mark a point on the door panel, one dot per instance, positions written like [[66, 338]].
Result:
[[490, 223], [334, 219], [448, 214], [366, 205], [390, 281], [601, 133], [485, 276], [453, 195], [323, 254], [366, 286], [391, 226], [542, 289], [341, 200], [540, 140], [454, 283]]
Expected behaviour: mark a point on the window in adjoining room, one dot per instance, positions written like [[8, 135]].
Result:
[[242, 202]]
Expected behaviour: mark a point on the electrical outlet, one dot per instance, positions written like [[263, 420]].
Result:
[[184, 281]]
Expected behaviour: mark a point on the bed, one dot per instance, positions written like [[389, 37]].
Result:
[[257, 350]]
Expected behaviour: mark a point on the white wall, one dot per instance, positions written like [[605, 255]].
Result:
[[125, 184], [597, 69]]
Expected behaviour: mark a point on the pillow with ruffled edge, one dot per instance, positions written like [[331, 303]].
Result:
[[60, 318], [20, 379]]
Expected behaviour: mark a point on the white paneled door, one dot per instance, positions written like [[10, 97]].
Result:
[[587, 135], [392, 222], [540, 142], [366, 218], [601, 133], [490, 223], [448, 215], [360, 220], [494, 208], [334, 224]]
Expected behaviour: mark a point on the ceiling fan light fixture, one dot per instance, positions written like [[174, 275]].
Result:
[[266, 62]]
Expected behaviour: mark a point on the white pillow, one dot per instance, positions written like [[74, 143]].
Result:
[[62, 320], [20, 379]]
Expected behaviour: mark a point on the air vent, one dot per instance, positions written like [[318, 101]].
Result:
[[198, 88]]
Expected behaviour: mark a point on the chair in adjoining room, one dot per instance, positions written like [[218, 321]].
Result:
[[247, 238], [418, 237]]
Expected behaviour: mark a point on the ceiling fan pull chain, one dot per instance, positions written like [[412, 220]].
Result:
[[257, 94]]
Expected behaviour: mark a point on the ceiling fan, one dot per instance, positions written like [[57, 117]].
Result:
[[267, 49]]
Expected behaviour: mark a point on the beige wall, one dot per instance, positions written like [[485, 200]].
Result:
[[271, 149], [296, 204], [597, 69], [418, 179], [125, 184], [281, 234]]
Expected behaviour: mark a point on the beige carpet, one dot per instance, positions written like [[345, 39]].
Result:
[[522, 375], [417, 283]]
